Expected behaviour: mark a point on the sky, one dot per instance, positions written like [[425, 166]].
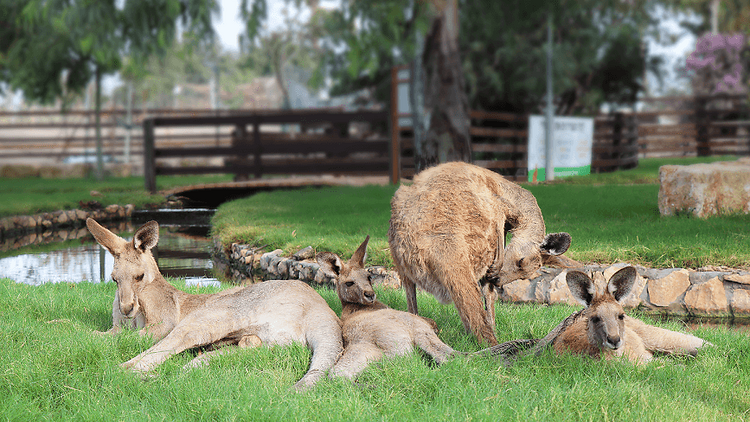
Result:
[[228, 25]]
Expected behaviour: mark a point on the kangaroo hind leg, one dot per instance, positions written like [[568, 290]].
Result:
[[355, 359], [250, 340], [431, 344]]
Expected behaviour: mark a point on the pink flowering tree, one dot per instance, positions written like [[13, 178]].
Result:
[[717, 64]]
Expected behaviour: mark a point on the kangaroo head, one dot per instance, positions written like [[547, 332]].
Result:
[[522, 258], [135, 266], [352, 280], [605, 316]]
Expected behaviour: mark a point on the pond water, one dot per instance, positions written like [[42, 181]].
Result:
[[184, 250]]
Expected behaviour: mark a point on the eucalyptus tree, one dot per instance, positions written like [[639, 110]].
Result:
[[53, 48]]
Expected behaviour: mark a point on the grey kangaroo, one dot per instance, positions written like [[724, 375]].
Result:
[[371, 329], [276, 312]]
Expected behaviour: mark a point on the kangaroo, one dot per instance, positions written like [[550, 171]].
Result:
[[371, 329], [447, 235], [603, 330], [276, 312]]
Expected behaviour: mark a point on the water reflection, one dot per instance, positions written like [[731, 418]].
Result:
[[183, 251]]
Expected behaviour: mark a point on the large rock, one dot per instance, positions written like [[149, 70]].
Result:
[[705, 189]]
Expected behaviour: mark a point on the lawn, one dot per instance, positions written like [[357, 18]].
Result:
[[25, 196], [54, 368]]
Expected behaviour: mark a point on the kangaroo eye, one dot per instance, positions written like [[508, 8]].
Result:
[[139, 277], [349, 284], [621, 316], [520, 263], [595, 319]]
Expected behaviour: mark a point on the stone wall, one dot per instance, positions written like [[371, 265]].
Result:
[[20, 231], [673, 291]]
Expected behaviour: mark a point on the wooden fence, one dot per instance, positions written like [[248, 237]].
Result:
[[334, 141], [53, 137], [311, 141], [694, 126]]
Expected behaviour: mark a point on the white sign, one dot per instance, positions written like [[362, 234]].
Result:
[[572, 141]]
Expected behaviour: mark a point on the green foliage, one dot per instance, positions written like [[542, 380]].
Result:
[[55, 368], [598, 54], [50, 49]]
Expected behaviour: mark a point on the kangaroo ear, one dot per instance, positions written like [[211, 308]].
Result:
[[330, 263], [360, 255], [147, 236], [110, 241], [555, 243], [622, 282], [581, 287]]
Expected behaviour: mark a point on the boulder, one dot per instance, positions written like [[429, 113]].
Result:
[[705, 189]]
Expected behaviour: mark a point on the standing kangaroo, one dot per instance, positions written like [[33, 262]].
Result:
[[276, 312], [370, 328], [603, 330], [447, 235]]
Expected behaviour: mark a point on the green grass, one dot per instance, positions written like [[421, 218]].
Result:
[[54, 368], [646, 172], [25, 196], [612, 222]]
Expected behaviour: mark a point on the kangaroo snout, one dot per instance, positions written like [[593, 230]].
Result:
[[126, 308], [369, 296], [613, 342]]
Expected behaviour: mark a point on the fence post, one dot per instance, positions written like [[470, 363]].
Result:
[[395, 164], [617, 125], [149, 158], [257, 148], [702, 139]]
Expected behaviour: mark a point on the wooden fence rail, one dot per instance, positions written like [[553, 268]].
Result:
[[318, 141]]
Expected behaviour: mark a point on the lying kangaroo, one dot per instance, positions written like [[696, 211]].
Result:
[[603, 330], [447, 235], [277, 312], [371, 329]]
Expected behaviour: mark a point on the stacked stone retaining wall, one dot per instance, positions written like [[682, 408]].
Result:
[[717, 293], [21, 231]]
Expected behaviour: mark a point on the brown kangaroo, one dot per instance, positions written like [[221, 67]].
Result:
[[447, 235], [370, 328], [276, 312], [603, 330]]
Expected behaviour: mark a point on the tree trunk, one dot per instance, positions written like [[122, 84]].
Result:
[[439, 101]]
